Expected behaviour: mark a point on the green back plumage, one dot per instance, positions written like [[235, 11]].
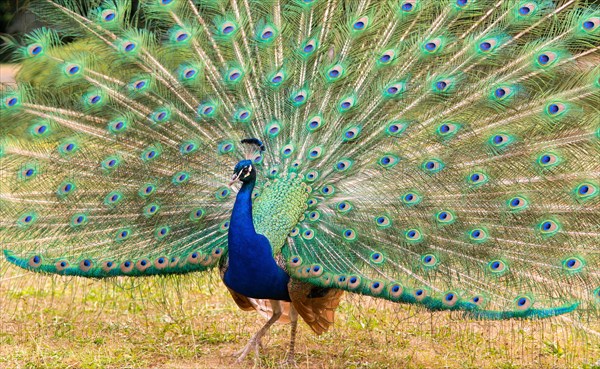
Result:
[[446, 151]]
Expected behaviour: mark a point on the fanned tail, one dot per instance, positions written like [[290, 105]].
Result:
[[449, 148]]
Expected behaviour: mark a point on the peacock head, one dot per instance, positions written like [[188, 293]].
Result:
[[244, 171]]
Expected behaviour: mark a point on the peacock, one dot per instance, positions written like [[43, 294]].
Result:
[[444, 154]]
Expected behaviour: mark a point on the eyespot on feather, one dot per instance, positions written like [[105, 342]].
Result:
[[445, 217], [35, 261], [441, 86], [526, 9], [360, 24], [127, 266], [341, 281], [478, 300], [546, 59], [432, 46], [27, 219], [523, 303], [396, 128], [222, 193], [394, 90], [497, 267], [589, 25], [113, 198], [309, 47], [108, 16], [408, 6], [161, 233], [395, 290], [328, 190], [354, 282], [386, 58], [478, 235], [66, 188], [277, 79], [174, 261], [161, 262], [273, 129], [517, 203], [195, 257], [477, 179], [217, 252], [573, 264], [377, 257], [35, 49], [208, 109], [586, 191], [72, 69], [61, 265], [556, 109], [343, 207], [312, 176], [343, 165], [383, 221], [295, 261], [411, 198], [79, 219], [429, 260], [143, 264], [316, 270], [432, 166], [349, 234], [548, 227], [228, 29], [86, 265], [548, 160], [266, 34], [413, 235], [180, 178], [351, 133], [420, 294], [450, 299], [376, 287], [308, 234], [122, 235], [346, 104]]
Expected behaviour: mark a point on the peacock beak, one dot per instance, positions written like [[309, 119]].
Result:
[[243, 173], [235, 178]]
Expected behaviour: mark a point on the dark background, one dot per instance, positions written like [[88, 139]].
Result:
[[15, 19]]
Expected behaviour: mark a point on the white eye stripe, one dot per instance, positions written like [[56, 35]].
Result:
[[246, 172]]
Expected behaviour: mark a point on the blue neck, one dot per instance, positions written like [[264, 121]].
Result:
[[252, 271], [241, 217]]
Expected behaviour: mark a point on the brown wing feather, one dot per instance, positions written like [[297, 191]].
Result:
[[242, 301], [314, 304], [262, 306]]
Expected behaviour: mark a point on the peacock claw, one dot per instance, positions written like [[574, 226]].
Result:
[[254, 344], [289, 362]]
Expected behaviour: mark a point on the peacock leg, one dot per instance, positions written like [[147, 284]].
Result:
[[255, 340], [290, 359]]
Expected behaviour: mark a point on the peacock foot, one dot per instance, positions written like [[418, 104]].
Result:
[[254, 344], [289, 361]]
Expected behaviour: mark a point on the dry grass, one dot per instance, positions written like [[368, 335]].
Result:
[[191, 322]]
